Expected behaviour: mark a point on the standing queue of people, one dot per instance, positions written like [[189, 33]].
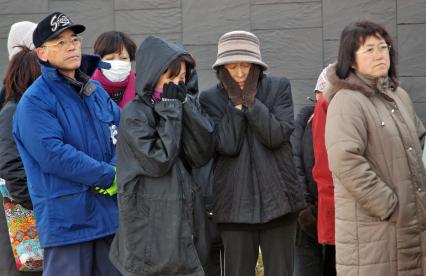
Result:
[[136, 173]]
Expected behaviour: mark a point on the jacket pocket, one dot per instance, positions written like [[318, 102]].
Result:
[[171, 249], [73, 212], [134, 231]]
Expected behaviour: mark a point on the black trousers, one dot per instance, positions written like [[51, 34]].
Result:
[[308, 255], [329, 252], [275, 239], [214, 266]]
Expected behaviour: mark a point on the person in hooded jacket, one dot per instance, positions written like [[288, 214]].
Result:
[[119, 50], [162, 136], [65, 130], [256, 193]]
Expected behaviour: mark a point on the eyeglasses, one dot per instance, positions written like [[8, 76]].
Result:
[[370, 50], [75, 40]]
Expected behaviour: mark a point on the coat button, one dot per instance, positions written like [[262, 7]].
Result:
[[419, 189], [393, 110], [410, 148], [382, 124]]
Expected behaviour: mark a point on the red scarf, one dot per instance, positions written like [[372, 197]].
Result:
[[128, 85]]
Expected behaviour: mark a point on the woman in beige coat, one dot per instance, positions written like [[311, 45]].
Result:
[[374, 142]]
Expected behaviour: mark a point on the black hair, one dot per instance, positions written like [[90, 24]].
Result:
[[353, 37], [174, 67], [113, 41]]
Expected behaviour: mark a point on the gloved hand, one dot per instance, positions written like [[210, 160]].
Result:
[[170, 92], [112, 190], [99, 190], [250, 86], [182, 91], [308, 220], [234, 91]]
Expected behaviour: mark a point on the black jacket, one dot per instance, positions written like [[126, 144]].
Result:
[[304, 159], [254, 175], [303, 152], [11, 167], [160, 205]]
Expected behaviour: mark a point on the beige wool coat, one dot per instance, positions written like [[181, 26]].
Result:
[[374, 143]]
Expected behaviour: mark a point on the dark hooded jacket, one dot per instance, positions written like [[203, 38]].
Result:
[[254, 174], [158, 142]]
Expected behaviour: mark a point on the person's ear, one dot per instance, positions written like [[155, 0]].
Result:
[[41, 53]]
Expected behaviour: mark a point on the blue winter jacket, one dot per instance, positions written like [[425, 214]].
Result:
[[67, 146]]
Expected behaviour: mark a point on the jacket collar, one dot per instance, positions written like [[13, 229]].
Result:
[[356, 82], [89, 63]]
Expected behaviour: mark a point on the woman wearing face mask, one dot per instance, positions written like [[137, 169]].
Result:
[[162, 135], [119, 50], [374, 142]]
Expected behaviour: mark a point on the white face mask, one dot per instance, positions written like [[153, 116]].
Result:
[[119, 70]]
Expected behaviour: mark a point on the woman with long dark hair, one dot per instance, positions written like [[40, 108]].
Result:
[[23, 70]]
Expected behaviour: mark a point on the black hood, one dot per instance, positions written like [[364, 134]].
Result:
[[152, 59]]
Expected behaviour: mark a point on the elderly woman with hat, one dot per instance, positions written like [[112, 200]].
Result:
[[256, 193]]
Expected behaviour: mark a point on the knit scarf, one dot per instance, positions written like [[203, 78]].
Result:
[[128, 86], [156, 95]]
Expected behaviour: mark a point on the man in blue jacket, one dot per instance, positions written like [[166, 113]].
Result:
[[65, 128]]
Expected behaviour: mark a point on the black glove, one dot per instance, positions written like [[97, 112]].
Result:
[[308, 221], [182, 91], [170, 92]]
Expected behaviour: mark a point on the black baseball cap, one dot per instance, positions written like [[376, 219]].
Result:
[[52, 26]]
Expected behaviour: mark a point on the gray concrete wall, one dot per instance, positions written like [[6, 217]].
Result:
[[298, 37]]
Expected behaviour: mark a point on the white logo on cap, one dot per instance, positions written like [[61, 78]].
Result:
[[59, 20]]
